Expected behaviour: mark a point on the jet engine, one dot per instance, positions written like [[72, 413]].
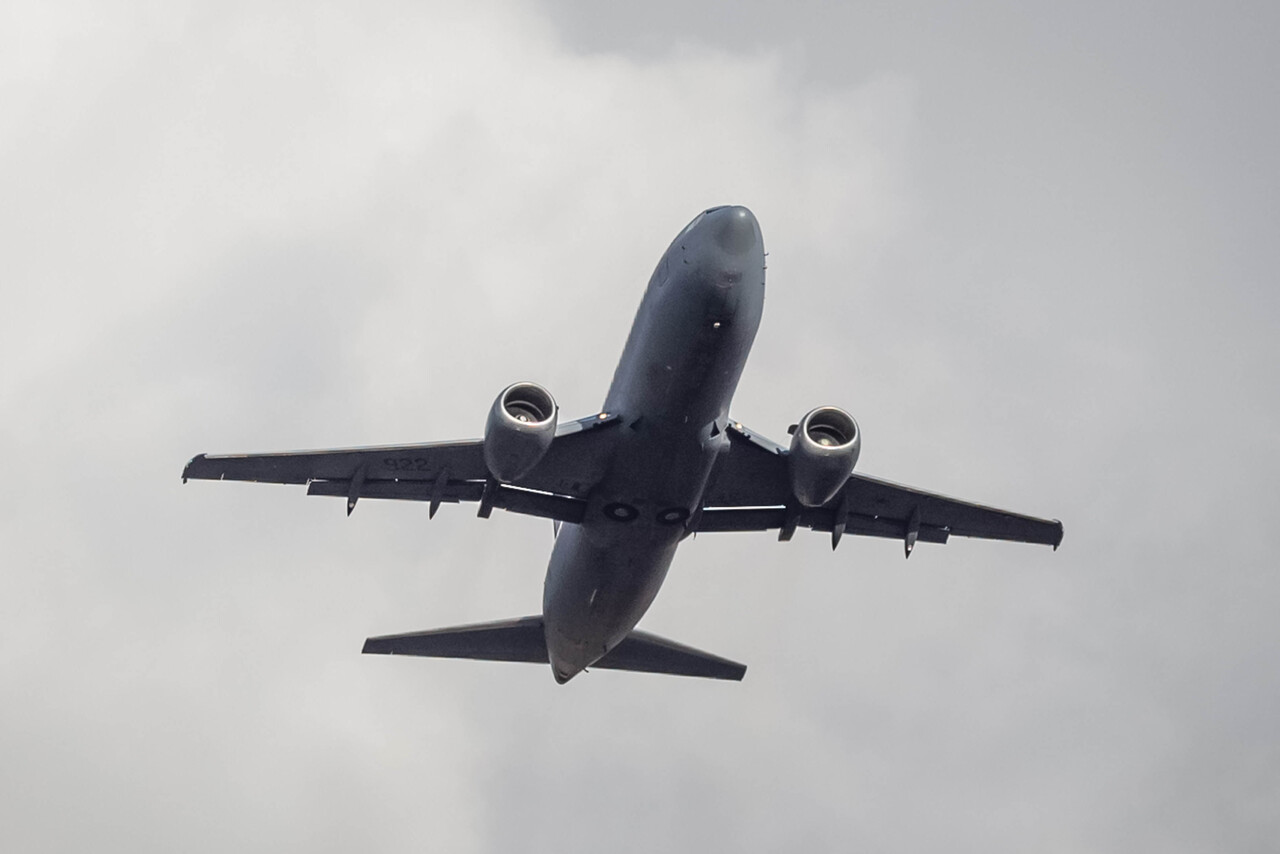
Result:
[[519, 431], [824, 448]]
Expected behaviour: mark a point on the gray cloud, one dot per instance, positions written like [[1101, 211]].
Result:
[[1031, 252]]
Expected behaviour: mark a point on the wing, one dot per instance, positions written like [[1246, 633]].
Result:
[[750, 490], [439, 472]]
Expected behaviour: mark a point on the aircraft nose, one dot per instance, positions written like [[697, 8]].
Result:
[[735, 228]]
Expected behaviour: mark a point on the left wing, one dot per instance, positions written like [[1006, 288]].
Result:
[[750, 490], [438, 472]]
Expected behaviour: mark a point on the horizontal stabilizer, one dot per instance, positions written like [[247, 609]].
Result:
[[523, 640], [505, 640], [651, 654]]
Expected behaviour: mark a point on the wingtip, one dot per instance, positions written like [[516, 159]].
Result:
[[186, 470], [1060, 533]]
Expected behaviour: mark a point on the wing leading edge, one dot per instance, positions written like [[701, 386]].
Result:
[[751, 491]]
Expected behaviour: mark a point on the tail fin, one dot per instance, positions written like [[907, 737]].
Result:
[[522, 639]]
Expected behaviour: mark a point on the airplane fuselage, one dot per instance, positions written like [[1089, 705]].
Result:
[[672, 388]]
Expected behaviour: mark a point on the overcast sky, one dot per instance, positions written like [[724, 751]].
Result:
[[1033, 249]]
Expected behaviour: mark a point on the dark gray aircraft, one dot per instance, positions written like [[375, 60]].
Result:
[[662, 461]]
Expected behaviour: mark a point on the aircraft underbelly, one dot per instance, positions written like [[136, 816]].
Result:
[[596, 592], [672, 390], [605, 573]]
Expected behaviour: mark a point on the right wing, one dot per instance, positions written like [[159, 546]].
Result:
[[438, 472], [751, 491]]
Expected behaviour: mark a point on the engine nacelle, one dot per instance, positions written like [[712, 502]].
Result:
[[519, 431], [824, 449]]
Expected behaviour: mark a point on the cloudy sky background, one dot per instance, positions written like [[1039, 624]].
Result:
[[1032, 249]]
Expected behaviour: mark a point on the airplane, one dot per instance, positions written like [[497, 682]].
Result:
[[624, 487]]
